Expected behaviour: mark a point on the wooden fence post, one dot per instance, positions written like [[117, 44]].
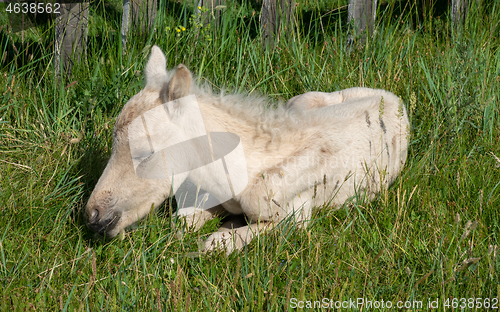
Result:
[[459, 11], [213, 12], [71, 36], [361, 19], [125, 23], [274, 16], [141, 14]]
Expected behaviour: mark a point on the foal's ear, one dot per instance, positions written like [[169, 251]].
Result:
[[179, 85], [156, 71]]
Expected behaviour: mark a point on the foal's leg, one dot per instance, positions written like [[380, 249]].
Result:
[[314, 100], [230, 237], [195, 218], [234, 235]]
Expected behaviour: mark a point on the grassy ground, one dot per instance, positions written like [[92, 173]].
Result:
[[433, 235]]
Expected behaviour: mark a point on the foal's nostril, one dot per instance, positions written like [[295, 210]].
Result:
[[93, 215]]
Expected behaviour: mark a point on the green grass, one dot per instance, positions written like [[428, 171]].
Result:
[[414, 242]]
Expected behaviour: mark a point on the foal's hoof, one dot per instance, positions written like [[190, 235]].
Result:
[[225, 241], [193, 218]]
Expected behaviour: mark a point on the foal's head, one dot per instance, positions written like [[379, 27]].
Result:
[[121, 197]]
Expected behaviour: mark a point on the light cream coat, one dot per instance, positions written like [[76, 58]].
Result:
[[321, 148]]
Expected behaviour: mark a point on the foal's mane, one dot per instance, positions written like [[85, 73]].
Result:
[[266, 115]]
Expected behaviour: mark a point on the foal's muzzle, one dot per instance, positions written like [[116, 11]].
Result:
[[100, 224]]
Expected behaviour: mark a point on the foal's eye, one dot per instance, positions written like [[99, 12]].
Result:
[[147, 159]]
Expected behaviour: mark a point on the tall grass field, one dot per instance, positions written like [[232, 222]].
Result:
[[429, 242]]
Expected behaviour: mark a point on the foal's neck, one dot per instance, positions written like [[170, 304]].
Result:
[[255, 140], [220, 120]]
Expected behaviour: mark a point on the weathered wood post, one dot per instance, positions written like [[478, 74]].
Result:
[[213, 11], [361, 19], [72, 23], [125, 23], [71, 36], [141, 14], [459, 11], [276, 16]]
